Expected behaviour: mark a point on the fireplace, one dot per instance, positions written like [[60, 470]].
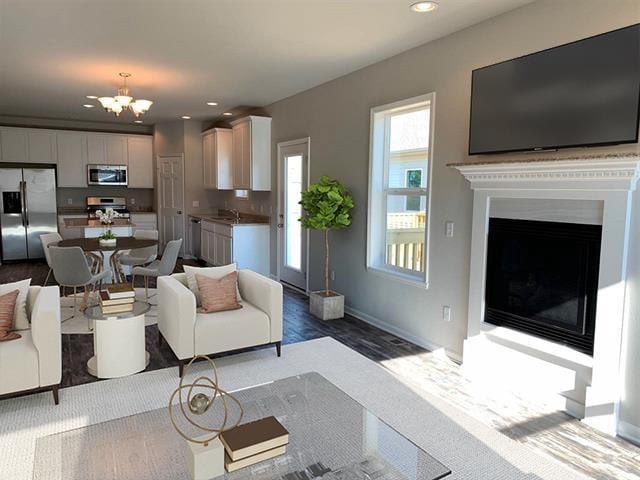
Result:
[[542, 279]]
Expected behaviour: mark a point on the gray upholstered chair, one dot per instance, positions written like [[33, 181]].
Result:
[[48, 239], [159, 268], [141, 256], [71, 269]]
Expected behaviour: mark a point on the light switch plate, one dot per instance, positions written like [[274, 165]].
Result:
[[195, 203], [446, 313], [69, 201], [448, 229]]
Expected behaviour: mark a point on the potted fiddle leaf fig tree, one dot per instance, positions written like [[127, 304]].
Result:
[[327, 206]]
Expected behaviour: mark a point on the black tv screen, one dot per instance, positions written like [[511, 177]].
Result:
[[585, 93]]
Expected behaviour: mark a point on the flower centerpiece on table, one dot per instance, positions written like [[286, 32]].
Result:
[[106, 218]]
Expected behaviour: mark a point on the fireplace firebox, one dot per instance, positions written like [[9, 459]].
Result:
[[542, 279]]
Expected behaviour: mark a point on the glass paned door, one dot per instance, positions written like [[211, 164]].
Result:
[[293, 211], [292, 238]]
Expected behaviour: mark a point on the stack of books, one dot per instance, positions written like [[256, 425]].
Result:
[[253, 442], [117, 298]]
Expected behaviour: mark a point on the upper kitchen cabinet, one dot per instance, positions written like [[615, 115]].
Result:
[[252, 153], [72, 159], [217, 158], [106, 149], [27, 145], [140, 161]]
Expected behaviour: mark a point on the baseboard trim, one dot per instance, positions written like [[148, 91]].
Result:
[[399, 332], [629, 432]]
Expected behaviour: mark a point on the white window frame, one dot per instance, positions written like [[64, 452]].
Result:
[[378, 191]]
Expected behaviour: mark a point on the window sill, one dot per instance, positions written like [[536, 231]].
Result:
[[399, 277]]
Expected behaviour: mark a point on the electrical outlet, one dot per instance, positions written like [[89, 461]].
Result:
[[448, 229], [446, 313], [195, 203], [253, 207], [132, 201], [332, 275], [261, 208], [69, 201]]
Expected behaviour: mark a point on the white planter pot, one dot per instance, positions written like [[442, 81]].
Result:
[[108, 243], [326, 307]]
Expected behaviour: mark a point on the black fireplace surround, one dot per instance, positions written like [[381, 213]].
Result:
[[542, 279]]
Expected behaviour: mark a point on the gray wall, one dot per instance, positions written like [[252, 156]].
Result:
[[336, 117]]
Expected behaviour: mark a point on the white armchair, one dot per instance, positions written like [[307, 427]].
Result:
[[190, 333], [34, 362]]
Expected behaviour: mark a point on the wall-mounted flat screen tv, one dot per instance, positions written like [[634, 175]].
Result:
[[585, 93]]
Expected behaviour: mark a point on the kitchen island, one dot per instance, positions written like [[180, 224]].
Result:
[[92, 228]]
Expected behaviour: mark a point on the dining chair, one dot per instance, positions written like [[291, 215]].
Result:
[[159, 268], [140, 256], [71, 269], [48, 239]]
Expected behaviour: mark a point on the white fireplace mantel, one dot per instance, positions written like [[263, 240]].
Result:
[[607, 179]]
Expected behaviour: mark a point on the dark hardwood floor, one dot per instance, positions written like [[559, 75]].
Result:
[[533, 421]]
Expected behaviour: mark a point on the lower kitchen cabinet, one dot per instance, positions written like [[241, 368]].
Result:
[[245, 245]]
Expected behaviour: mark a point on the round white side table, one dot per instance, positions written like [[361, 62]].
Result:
[[118, 342]]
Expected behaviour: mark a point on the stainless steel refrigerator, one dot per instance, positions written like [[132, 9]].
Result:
[[27, 210]]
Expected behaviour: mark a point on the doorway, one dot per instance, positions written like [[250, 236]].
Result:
[[293, 239], [171, 199]]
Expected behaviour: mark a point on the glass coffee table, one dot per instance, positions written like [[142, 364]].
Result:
[[118, 341], [330, 436]]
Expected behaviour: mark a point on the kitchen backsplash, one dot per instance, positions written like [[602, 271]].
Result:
[[138, 199]]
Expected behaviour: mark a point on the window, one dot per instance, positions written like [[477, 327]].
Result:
[[401, 137]]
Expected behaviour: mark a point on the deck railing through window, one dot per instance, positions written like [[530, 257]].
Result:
[[405, 240]]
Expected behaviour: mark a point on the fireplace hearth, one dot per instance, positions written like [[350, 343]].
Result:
[[542, 279]]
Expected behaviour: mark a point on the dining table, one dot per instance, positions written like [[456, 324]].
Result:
[[92, 245]]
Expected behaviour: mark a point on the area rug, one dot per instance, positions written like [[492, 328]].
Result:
[[470, 449], [79, 324]]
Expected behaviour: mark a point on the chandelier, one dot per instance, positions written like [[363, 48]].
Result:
[[123, 101]]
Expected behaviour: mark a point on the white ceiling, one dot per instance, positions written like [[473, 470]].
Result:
[[184, 53]]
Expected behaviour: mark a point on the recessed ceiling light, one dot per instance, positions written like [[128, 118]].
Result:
[[91, 97], [424, 7], [186, 117], [88, 105], [137, 121], [228, 114], [212, 104]]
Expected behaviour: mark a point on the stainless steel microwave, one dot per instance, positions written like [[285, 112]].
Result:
[[107, 175]]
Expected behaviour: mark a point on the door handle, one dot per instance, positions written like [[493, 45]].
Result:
[[281, 225], [25, 211], [179, 212]]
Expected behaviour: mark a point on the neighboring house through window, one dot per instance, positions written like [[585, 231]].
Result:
[[401, 136]]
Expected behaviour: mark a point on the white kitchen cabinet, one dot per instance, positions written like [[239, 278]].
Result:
[[217, 158], [144, 221], [140, 161], [106, 149], [72, 159], [246, 245], [27, 145], [252, 153]]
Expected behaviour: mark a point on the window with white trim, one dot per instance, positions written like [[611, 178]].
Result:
[[401, 137]]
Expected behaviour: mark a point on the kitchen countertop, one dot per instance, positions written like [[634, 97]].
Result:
[[227, 219], [90, 223]]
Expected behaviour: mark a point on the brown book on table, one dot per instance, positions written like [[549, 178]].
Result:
[[253, 438], [117, 308], [120, 290], [232, 466], [106, 301]]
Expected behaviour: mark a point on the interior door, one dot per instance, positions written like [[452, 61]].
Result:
[[12, 219], [171, 199], [293, 171], [40, 202]]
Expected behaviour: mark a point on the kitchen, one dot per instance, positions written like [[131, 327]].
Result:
[[87, 170]]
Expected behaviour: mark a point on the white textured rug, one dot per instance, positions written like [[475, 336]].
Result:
[[79, 324], [470, 449]]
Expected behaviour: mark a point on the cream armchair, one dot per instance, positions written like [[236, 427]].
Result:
[[34, 362], [190, 333]]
